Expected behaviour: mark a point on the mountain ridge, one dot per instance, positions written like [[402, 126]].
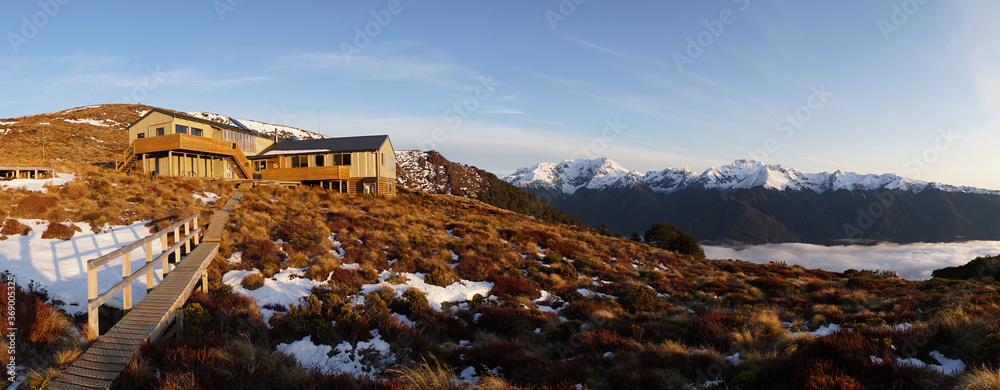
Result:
[[602, 173]]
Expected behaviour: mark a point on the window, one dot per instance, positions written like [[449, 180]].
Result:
[[319, 160], [383, 158], [160, 131], [198, 132], [300, 161], [140, 135], [181, 129], [347, 159]]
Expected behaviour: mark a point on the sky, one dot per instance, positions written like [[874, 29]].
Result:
[[910, 87]]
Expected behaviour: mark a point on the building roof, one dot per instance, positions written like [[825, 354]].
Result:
[[181, 115], [326, 145]]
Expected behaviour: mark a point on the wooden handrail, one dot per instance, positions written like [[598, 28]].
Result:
[[92, 264], [126, 156], [96, 299]]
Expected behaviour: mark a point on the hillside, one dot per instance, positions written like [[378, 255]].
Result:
[[754, 203], [314, 288], [432, 172], [91, 135], [84, 135]]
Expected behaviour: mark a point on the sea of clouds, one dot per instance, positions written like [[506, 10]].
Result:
[[910, 261]]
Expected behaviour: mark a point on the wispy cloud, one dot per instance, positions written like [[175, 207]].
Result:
[[399, 60], [596, 47], [502, 148], [154, 76]]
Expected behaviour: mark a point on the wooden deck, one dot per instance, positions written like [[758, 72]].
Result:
[[100, 365]]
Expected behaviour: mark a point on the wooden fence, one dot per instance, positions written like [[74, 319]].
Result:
[[192, 233]]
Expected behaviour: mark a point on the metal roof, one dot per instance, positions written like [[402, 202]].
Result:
[[341, 144]]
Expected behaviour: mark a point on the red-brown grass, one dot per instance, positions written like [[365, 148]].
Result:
[[60, 231]]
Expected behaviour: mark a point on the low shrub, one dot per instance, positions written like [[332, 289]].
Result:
[[13, 227], [253, 281], [514, 286], [60, 231]]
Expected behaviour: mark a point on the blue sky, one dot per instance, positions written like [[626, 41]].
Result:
[[864, 86]]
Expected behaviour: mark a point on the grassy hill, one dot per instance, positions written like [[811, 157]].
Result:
[[557, 306], [314, 289], [73, 138]]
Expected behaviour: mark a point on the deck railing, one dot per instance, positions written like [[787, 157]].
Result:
[[192, 234], [126, 158]]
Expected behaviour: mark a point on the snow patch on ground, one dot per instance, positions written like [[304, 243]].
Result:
[[285, 287], [366, 358], [946, 366], [463, 290], [37, 184], [93, 122], [207, 197], [60, 266]]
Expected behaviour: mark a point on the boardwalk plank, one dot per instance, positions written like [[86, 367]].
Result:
[[95, 374]]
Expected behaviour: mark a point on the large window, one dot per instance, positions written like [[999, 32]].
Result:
[[300, 161], [181, 129], [198, 132], [245, 141], [342, 159], [320, 160]]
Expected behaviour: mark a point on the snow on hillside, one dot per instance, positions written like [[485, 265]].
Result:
[[94, 122], [60, 266], [37, 184], [571, 175], [261, 127]]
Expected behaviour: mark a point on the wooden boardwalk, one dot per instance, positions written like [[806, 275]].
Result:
[[100, 365]]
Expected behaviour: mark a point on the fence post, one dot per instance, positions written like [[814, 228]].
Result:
[[177, 238], [126, 272], [187, 231], [149, 259], [92, 316], [166, 259], [196, 240]]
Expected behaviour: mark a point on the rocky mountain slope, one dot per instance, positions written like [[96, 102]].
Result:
[[432, 172], [755, 203]]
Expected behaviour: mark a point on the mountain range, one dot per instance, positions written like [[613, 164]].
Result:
[[755, 203]]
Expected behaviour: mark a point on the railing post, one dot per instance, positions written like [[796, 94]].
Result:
[[177, 238], [166, 259], [187, 231], [126, 272], [196, 240], [92, 316], [204, 281], [149, 259]]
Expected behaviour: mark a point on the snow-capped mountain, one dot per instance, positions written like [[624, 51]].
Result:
[[602, 173], [266, 128]]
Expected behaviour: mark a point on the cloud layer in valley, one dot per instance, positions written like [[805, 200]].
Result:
[[910, 261]]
